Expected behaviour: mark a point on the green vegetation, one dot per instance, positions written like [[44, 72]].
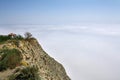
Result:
[[13, 36], [4, 38], [18, 37], [10, 58], [29, 73]]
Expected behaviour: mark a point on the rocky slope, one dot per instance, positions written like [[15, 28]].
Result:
[[31, 55]]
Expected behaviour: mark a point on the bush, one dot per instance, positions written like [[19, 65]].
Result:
[[28, 35], [4, 38], [10, 58], [24, 63], [19, 37], [28, 73]]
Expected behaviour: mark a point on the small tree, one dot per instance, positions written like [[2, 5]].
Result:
[[28, 35]]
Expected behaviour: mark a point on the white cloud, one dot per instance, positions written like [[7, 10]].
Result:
[[88, 52]]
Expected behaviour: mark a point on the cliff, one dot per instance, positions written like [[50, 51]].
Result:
[[24, 59]]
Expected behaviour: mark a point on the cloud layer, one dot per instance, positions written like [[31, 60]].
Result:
[[88, 52]]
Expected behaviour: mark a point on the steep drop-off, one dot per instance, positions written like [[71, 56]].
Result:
[[25, 60]]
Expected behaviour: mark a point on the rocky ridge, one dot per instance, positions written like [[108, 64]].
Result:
[[32, 55]]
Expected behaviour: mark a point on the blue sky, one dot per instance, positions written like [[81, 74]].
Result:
[[59, 11]]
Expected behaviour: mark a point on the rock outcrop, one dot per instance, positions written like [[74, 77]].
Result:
[[32, 55]]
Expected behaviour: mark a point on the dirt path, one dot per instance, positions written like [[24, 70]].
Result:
[[6, 73]]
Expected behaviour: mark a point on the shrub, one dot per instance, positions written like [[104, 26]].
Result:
[[24, 63], [28, 73], [10, 59], [28, 35], [19, 37], [4, 38]]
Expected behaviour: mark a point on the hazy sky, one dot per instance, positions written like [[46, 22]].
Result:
[[59, 11], [83, 35]]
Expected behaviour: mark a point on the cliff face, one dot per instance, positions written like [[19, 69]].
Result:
[[30, 55]]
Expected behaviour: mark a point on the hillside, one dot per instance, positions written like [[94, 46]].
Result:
[[24, 59]]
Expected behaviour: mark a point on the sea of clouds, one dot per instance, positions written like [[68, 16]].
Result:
[[88, 52]]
